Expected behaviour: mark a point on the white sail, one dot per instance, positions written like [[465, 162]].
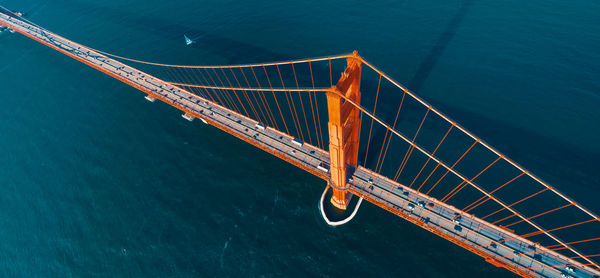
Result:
[[188, 41]]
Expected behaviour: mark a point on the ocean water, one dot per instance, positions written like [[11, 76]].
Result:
[[97, 182]]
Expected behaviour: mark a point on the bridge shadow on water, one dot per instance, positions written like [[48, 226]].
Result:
[[422, 72], [237, 52], [438, 48], [537, 144], [234, 51], [577, 177]]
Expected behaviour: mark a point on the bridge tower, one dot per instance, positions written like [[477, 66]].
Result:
[[344, 129]]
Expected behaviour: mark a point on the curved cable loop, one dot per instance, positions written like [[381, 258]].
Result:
[[288, 62]]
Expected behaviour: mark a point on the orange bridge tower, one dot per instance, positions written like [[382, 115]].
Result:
[[344, 129]]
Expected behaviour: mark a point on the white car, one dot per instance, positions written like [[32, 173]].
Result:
[[456, 220]]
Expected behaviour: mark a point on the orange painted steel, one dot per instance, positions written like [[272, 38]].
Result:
[[539, 214], [535, 252], [385, 138], [312, 110], [352, 88], [264, 148], [517, 202], [501, 209], [264, 119], [217, 90], [559, 266], [344, 128], [482, 201], [234, 92], [429, 159], [587, 256], [455, 240], [558, 228], [478, 188], [214, 90], [458, 188], [257, 95], [464, 183], [320, 132], [387, 145], [302, 104], [330, 76], [484, 144], [318, 119], [371, 125], [451, 167], [264, 101], [446, 118], [547, 249], [336, 57], [205, 90], [337, 166], [229, 96], [575, 242], [410, 148], [287, 98], [407, 154], [225, 92], [345, 100], [194, 79], [387, 78], [507, 217], [276, 102], [514, 164], [565, 246], [245, 93], [180, 107]]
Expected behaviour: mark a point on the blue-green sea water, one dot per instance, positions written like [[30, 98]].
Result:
[[97, 182]]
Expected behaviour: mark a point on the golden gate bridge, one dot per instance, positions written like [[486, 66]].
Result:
[[368, 136]]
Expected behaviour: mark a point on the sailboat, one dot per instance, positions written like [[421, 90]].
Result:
[[188, 41]]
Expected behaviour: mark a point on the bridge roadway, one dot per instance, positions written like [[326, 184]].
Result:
[[471, 233]]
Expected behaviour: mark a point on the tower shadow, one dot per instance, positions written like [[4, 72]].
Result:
[[426, 66], [438, 49]]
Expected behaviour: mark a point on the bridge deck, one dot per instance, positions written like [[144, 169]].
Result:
[[471, 233]]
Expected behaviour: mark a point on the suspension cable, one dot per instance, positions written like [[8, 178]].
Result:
[[429, 159], [410, 148]]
